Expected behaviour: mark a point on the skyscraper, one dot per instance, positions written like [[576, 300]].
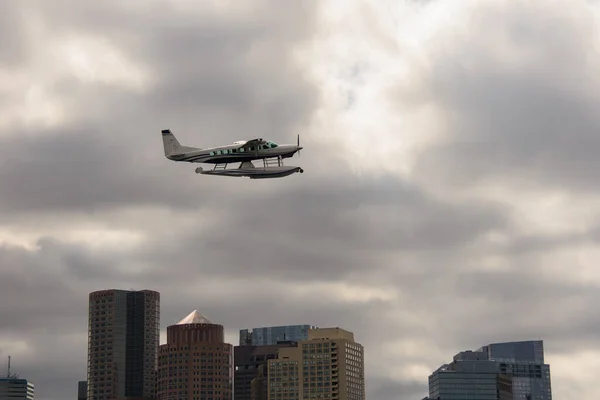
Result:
[[328, 365], [123, 338], [510, 370], [82, 390], [524, 363], [195, 363], [469, 378], [16, 389], [247, 360], [269, 335]]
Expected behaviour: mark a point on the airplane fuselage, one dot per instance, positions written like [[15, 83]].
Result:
[[236, 153]]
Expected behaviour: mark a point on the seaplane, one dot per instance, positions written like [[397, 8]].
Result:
[[242, 151]]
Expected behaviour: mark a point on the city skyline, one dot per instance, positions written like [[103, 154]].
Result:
[[449, 195], [196, 326], [127, 360]]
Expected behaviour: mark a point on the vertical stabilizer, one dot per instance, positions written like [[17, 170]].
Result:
[[170, 143]]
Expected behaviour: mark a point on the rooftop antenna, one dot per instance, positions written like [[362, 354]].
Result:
[[8, 374]]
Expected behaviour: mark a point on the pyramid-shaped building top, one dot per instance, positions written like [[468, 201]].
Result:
[[195, 318]]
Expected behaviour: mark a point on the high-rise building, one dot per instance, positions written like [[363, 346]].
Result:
[[524, 363], [82, 390], [247, 362], [195, 363], [328, 365], [16, 389], [123, 339], [260, 385], [510, 370], [467, 378], [270, 335]]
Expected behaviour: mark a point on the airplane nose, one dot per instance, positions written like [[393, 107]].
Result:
[[300, 147]]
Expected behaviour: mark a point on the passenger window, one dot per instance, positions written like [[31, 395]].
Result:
[[241, 150], [218, 152], [212, 153]]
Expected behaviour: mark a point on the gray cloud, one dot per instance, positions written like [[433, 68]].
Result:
[[532, 121], [210, 91], [391, 389], [76, 169], [14, 40], [221, 77], [259, 253], [323, 235], [521, 295]]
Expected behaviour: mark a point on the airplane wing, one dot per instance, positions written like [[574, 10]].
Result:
[[254, 142]]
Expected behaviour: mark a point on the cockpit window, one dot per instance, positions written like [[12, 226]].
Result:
[[271, 145]]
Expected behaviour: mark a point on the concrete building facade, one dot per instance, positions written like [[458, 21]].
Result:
[[328, 365]]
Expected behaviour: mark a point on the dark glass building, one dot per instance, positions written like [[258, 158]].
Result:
[[270, 335], [524, 363], [82, 390], [123, 339], [510, 370], [469, 380], [247, 362]]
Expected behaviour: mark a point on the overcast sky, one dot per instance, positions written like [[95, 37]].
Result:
[[449, 199]]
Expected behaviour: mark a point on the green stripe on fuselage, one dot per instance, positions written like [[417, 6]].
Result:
[[226, 158]]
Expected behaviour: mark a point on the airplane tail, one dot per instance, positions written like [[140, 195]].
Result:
[[172, 145]]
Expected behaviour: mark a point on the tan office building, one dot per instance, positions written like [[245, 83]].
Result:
[[327, 366]]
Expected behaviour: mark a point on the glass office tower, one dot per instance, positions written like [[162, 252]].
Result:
[[509, 370], [266, 336], [470, 380], [524, 362]]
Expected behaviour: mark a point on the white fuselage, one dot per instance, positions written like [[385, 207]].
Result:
[[243, 152]]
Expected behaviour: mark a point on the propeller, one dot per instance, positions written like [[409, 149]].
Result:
[[299, 145]]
